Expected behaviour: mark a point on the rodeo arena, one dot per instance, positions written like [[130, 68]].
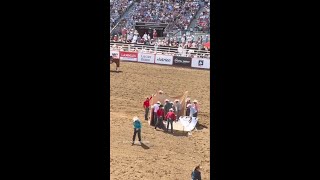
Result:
[[160, 89]]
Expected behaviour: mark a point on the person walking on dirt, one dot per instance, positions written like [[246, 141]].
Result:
[[137, 129], [196, 174], [170, 117], [146, 106], [160, 114]]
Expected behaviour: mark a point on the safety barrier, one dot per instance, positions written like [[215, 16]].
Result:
[[162, 59]]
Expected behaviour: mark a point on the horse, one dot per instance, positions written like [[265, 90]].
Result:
[[115, 60]]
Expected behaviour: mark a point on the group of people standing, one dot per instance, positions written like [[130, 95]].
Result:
[[170, 111]]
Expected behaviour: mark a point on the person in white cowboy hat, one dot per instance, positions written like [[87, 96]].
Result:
[[137, 129], [177, 108], [170, 117], [167, 106], [155, 110], [196, 107], [193, 111], [188, 101]]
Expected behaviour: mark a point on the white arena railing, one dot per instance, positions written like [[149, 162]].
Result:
[[160, 50]]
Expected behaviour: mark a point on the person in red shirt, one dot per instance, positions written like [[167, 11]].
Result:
[[170, 117], [160, 114], [155, 34], [146, 106]]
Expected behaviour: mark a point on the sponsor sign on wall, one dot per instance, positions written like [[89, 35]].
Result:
[[200, 63], [146, 57], [114, 54], [182, 61], [163, 59], [128, 56]]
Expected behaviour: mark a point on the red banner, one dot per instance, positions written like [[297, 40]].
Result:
[[128, 56]]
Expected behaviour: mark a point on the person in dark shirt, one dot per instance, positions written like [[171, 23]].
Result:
[[196, 174]]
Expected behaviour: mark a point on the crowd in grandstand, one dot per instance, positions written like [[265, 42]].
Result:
[[177, 13]]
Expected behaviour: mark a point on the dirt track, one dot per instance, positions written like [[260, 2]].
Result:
[[164, 156]]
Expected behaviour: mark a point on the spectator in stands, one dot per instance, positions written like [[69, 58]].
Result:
[[170, 117], [137, 129], [160, 117]]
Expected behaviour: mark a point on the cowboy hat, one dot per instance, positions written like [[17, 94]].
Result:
[[135, 119], [195, 101], [188, 99], [171, 102], [171, 109], [167, 100], [160, 91], [176, 100], [158, 102]]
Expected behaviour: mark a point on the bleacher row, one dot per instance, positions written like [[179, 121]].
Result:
[[177, 13]]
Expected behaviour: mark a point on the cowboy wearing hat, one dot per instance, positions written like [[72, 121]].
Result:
[[155, 110], [188, 107], [193, 111], [196, 174], [177, 108], [170, 117], [167, 106], [160, 117], [196, 107], [137, 129]]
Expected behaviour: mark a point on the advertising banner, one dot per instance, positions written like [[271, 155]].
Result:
[[146, 57], [128, 56], [163, 59], [202, 63], [114, 54], [182, 61]]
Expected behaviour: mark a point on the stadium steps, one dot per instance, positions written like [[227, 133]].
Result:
[[194, 20]]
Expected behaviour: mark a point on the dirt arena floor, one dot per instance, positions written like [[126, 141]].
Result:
[[163, 156]]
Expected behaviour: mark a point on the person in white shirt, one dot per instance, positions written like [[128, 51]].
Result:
[[155, 110]]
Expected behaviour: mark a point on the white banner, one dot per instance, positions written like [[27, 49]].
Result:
[[188, 123], [200, 63], [146, 57], [115, 54], [164, 59]]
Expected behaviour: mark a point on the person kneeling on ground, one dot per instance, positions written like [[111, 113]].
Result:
[[170, 117], [137, 129], [160, 114]]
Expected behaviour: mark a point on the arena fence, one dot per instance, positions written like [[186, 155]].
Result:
[[193, 53], [162, 59]]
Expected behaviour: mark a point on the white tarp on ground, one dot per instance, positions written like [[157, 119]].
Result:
[[185, 123]]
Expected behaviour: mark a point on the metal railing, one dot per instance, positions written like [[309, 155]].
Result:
[[161, 50]]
